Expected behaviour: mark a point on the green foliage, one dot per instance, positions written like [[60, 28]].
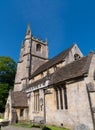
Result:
[[7, 76], [2, 117]]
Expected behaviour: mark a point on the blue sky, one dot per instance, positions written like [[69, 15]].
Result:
[[62, 22]]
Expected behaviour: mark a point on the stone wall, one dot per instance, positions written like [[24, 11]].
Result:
[[32, 112], [70, 57], [30, 59], [78, 107], [24, 115], [8, 108]]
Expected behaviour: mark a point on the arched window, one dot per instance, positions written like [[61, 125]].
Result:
[[38, 47], [36, 101], [76, 56], [61, 97]]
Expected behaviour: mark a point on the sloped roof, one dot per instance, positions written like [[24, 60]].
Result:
[[36, 83], [60, 57], [70, 71], [75, 69], [19, 99]]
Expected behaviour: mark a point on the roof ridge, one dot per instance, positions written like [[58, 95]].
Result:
[[76, 68], [81, 58], [64, 51], [89, 60]]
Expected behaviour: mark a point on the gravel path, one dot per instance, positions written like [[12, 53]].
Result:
[[18, 128]]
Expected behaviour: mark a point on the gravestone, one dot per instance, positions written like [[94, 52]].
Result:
[[82, 127]]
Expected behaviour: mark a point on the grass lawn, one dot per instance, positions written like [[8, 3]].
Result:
[[23, 124], [28, 125]]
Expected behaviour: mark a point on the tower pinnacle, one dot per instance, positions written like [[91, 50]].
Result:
[[28, 32]]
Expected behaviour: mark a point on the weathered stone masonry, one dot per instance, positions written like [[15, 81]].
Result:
[[59, 91]]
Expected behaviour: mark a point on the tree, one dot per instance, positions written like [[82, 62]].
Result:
[[7, 77]]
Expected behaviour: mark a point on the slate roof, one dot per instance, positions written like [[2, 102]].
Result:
[[40, 81], [36, 83], [68, 72], [19, 99], [72, 70], [57, 59]]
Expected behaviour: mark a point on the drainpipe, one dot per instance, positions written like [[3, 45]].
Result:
[[44, 108]]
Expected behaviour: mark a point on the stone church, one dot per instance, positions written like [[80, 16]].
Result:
[[59, 91]]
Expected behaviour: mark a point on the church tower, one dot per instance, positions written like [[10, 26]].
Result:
[[34, 52]]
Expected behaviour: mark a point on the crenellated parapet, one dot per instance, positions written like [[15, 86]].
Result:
[[37, 39]]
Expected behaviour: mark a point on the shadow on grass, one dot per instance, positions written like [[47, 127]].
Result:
[[45, 128]]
